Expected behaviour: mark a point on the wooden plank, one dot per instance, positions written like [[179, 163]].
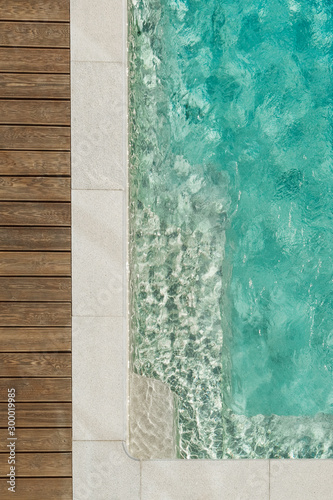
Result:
[[37, 389], [38, 464], [28, 289], [35, 10], [21, 60], [35, 263], [38, 440], [34, 214], [35, 314], [34, 34], [38, 488], [38, 415], [35, 339], [35, 238], [34, 163], [33, 364], [32, 112], [34, 86], [35, 188], [34, 138]]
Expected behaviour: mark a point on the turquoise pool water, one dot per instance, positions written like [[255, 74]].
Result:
[[231, 220]]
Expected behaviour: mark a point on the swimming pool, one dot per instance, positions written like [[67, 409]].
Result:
[[230, 221]]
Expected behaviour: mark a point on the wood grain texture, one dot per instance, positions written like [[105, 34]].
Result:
[[39, 415], [34, 138], [35, 244], [34, 34], [35, 263], [38, 489], [28, 289], [34, 163], [33, 364], [35, 238], [38, 464], [35, 10], [35, 339], [22, 60], [30, 86], [35, 188], [35, 314], [21, 112], [34, 214], [38, 440], [37, 389]]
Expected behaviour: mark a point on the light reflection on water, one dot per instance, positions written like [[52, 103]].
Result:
[[231, 220]]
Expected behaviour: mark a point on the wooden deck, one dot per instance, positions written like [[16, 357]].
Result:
[[35, 246]]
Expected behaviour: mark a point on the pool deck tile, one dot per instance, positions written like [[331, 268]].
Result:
[[97, 30], [98, 133], [205, 480], [103, 471], [98, 393], [301, 479], [98, 254]]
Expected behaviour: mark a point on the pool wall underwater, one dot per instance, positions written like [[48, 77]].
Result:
[[102, 467]]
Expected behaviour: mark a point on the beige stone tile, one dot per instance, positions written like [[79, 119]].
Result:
[[98, 126], [205, 480], [103, 471], [98, 379], [301, 479], [98, 253], [97, 30]]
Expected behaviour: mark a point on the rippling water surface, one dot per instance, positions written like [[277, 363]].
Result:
[[231, 220]]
